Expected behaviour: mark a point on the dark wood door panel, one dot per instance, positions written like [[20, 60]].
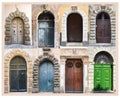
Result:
[[74, 28], [103, 31]]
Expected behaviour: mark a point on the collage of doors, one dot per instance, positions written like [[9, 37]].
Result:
[[62, 48]]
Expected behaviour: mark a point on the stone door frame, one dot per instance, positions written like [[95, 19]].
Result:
[[62, 73], [36, 11], [64, 25], [8, 57], [26, 32], [37, 62], [92, 54], [94, 10]]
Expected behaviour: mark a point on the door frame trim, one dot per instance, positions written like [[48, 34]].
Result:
[[85, 72], [37, 62], [8, 58]]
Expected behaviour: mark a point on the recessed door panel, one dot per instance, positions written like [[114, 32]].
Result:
[[46, 77], [74, 76], [102, 77]]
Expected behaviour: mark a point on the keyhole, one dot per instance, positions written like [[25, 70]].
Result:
[[14, 31]]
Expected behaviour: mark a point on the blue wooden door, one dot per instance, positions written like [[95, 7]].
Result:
[[46, 77]]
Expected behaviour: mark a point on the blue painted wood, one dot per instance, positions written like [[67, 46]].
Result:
[[46, 77]]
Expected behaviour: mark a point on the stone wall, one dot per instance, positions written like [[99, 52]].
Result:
[[60, 53]]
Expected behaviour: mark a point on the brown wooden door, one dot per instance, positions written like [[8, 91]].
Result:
[[74, 75], [74, 28], [103, 29], [17, 31]]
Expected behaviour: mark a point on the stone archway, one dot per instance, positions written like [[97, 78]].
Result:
[[103, 71], [94, 11], [26, 31], [64, 26], [7, 59], [36, 71], [36, 11]]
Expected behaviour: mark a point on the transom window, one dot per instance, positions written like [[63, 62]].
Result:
[[103, 58]]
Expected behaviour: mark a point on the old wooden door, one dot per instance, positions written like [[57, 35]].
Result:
[[17, 31], [103, 28], [74, 75], [74, 28], [46, 30], [18, 75], [46, 77], [102, 77]]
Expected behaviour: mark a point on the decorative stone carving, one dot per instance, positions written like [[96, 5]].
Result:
[[36, 11], [94, 10], [26, 31], [56, 72], [7, 59], [74, 8], [64, 26]]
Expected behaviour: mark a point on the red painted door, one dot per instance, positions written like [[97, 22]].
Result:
[[74, 75]]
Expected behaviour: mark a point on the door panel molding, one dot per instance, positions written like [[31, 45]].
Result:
[[46, 77], [74, 76]]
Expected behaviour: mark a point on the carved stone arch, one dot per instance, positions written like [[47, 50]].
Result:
[[94, 10], [8, 57], [37, 62], [64, 26], [36, 11], [104, 55], [26, 31]]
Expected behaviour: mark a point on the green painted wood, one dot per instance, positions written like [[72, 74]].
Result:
[[102, 77]]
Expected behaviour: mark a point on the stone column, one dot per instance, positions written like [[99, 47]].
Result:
[[85, 74], [91, 77], [62, 75]]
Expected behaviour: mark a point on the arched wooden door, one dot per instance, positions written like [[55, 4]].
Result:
[[103, 28], [17, 31], [103, 72], [74, 76], [74, 28], [18, 75], [46, 77]]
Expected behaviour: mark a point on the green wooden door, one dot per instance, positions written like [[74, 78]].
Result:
[[102, 77]]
